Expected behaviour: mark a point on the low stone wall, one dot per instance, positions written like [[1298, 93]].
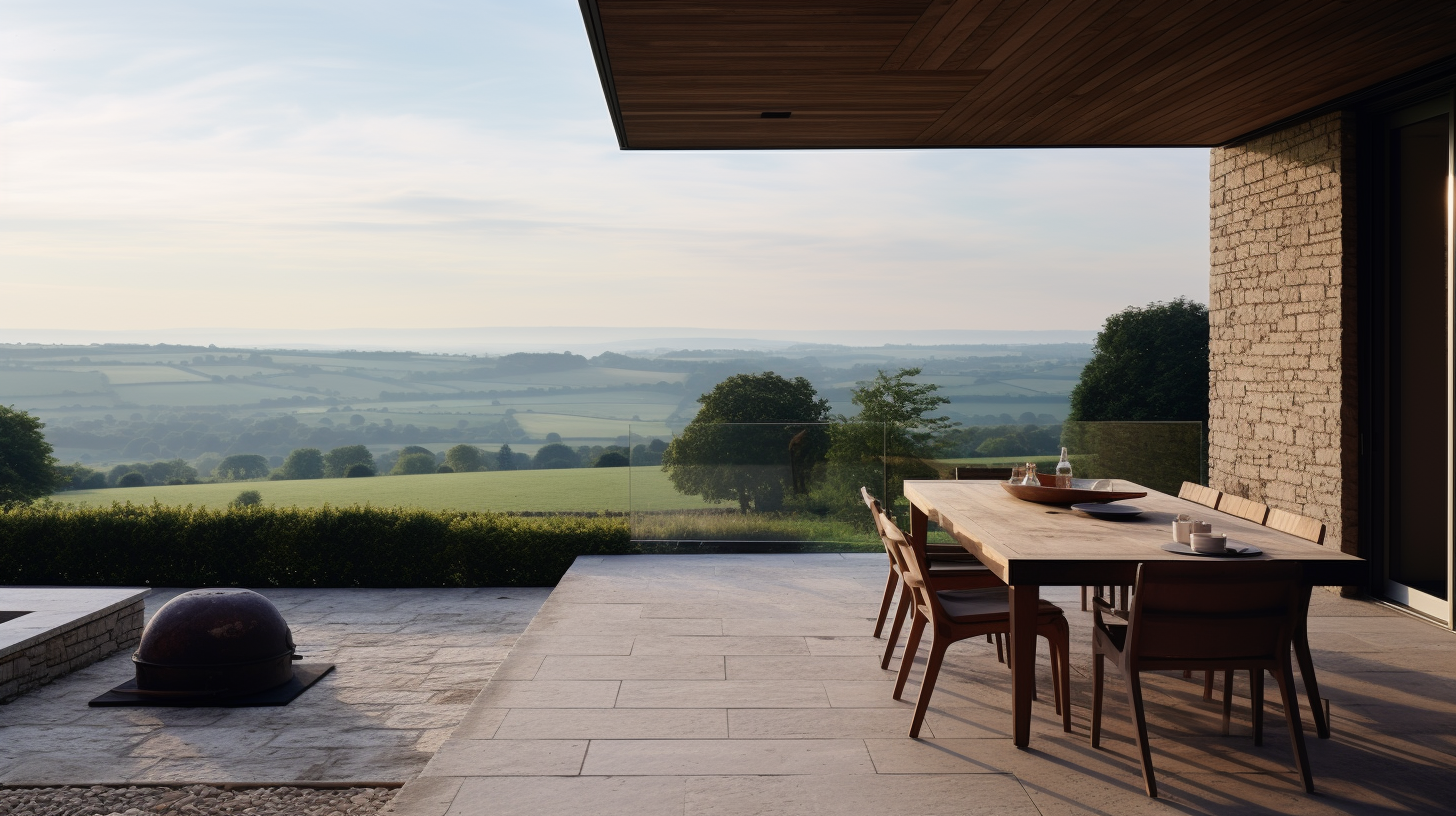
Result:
[[70, 649]]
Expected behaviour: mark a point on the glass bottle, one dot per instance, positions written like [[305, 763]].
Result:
[[1031, 475], [1064, 471]]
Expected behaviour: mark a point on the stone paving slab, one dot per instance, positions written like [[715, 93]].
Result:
[[409, 664], [770, 701]]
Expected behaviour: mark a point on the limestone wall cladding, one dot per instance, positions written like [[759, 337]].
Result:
[[1282, 424], [70, 650]]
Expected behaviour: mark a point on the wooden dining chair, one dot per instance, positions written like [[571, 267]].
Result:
[[1296, 525], [1243, 508], [1228, 616], [1311, 530], [950, 570], [1206, 496], [957, 615]]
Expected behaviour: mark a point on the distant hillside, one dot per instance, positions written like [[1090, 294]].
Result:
[[113, 403]]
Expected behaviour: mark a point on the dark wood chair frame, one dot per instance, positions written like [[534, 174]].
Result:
[[951, 568], [1212, 617], [993, 618]]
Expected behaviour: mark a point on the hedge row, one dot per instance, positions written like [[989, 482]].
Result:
[[130, 545]]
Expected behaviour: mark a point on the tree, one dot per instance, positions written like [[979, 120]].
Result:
[[890, 439], [27, 468], [1148, 364], [304, 463], [247, 498], [505, 459], [413, 464], [359, 471], [339, 461], [611, 459], [465, 459], [241, 466], [132, 479], [755, 438], [555, 457]]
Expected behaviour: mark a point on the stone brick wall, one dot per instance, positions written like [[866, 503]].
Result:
[[1282, 387], [72, 649]]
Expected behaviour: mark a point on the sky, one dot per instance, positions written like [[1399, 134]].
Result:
[[309, 165]]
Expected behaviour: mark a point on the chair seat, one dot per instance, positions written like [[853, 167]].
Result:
[[985, 605]]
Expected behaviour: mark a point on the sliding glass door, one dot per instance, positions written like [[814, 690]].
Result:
[[1418, 157]]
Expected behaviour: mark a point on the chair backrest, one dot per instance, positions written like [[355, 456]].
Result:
[[1206, 496], [1243, 508], [876, 512], [1213, 611], [983, 474], [914, 567], [1303, 526]]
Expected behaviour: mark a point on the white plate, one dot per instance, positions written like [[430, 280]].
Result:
[[1235, 549]]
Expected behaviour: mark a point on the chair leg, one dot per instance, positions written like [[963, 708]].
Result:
[[906, 600], [1228, 699], [1084, 597], [1187, 674], [1285, 678], [1311, 685], [1000, 654], [1140, 723], [912, 645], [891, 581], [938, 646], [1063, 670], [1208, 687], [1256, 702], [1097, 672]]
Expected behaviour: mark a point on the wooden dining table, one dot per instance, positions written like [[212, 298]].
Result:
[[1030, 545]]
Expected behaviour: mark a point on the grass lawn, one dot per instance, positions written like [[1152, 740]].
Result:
[[579, 489]]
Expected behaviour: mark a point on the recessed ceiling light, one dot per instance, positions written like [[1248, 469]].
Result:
[[776, 114]]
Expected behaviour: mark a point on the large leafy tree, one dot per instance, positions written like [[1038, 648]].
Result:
[[465, 459], [304, 463], [756, 438], [891, 437], [241, 466], [1148, 364], [27, 468], [556, 456], [1149, 367], [339, 461]]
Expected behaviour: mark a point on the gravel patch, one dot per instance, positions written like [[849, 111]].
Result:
[[201, 800]]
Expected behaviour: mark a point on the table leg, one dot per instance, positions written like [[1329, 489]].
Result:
[[1025, 599], [919, 527], [1306, 670]]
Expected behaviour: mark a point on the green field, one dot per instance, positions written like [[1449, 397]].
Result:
[[579, 489]]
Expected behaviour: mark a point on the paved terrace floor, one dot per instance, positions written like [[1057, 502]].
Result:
[[727, 685], [409, 663]]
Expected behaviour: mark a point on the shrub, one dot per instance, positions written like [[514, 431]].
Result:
[[357, 471], [444, 469], [131, 545], [132, 479], [248, 498]]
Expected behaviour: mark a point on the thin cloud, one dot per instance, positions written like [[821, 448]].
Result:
[[325, 169]]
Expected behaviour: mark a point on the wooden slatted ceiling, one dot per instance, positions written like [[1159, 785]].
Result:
[[929, 73]]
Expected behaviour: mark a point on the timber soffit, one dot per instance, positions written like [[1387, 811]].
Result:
[[681, 74]]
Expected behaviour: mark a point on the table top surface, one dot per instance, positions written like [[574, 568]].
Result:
[[1014, 536]]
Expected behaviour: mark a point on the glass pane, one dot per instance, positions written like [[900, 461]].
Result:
[[1419, 168], [757, 486]]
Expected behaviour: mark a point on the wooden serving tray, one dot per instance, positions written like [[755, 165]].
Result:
[[1048, 493]]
